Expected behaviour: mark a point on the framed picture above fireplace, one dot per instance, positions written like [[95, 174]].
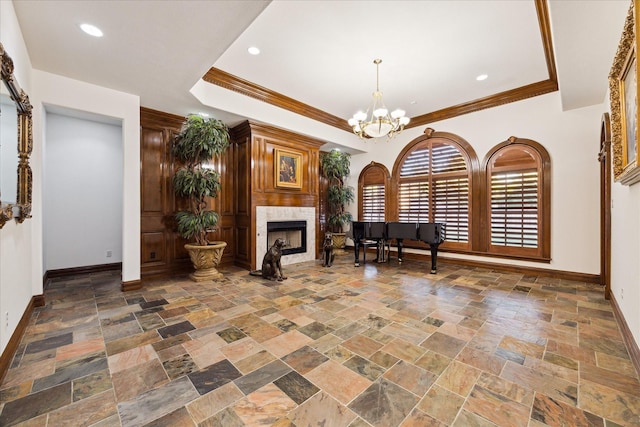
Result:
[[288, 169]]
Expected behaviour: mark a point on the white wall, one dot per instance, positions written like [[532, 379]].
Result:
[[18, 282], [82, 193], [21, 245], [625, 253], [572, 140], [57, 91]]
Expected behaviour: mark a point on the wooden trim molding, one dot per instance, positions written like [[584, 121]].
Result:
[[229, 81], [50, 274], [83, 270], [154, 118], [14, 341], [234, 83], [131, 285], [506, 97], [545, 31], [632, 346]]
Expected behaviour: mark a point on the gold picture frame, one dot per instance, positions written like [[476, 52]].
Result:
[[623, 89], [288, 169]]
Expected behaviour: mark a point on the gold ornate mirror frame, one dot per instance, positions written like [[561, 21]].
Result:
[[623, 93], [21, 210]]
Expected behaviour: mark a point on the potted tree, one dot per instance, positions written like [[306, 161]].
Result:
[[335, 168], [199, 141]]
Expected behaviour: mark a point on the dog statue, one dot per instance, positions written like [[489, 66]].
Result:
[[327, 250], [271, 266]]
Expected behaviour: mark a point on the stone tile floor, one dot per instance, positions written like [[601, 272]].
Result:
[[380, 345]]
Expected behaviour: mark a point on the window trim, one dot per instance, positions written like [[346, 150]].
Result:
[[471, 159], [543, 251], [373, 166]]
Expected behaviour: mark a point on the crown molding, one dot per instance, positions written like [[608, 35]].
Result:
[[229, 81]]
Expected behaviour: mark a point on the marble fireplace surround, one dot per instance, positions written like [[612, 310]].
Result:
[[265, 214]]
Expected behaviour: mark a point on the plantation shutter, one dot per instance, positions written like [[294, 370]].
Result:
[[372, 193], [451, 191], [413, 202], [373, 202], [452, 207], [514, 209], [434, 187]]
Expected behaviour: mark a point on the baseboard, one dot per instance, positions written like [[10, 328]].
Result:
[[82, 270], [62, 272], [131, 285], [632, 346], [532, 271], [14, 341]]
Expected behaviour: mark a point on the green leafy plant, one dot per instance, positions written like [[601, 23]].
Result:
[[199, 141], [335, 168]]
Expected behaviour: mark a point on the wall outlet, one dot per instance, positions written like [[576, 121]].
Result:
[[621, 293], [6, 320], [109, 254]]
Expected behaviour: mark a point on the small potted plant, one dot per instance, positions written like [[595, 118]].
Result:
[[335, 168], [199, 141]]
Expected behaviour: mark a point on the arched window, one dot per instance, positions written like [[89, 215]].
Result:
[[518, 190], [372, 192], [434, 178]]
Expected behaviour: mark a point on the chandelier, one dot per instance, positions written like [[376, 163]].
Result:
[[377, 121]]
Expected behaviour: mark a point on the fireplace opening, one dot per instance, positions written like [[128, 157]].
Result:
[[294, 234]]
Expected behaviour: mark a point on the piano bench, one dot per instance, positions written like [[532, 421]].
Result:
[[364, 243]]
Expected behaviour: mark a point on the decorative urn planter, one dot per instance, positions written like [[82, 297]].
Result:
[[339, 240], [205, 259]]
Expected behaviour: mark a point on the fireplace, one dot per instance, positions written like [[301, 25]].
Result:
[[285, 214], [294, 233]]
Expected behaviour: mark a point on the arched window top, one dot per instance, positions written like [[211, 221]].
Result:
[[518, 153], [515, 156], [374, 173], [435, 153]]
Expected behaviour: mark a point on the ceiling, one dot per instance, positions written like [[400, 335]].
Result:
[[321, 53]]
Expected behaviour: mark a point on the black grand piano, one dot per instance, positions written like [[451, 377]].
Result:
[[380, 233]]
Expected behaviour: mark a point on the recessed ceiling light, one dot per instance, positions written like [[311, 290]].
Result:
[[482, 77], [254, 50], [92, 30]]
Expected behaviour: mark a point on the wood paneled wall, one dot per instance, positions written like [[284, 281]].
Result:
[[247, 174], [161, 248], [254, 146]]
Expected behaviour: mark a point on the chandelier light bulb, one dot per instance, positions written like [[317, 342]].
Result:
[[360, 116], [396, 114], [380, 112]]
